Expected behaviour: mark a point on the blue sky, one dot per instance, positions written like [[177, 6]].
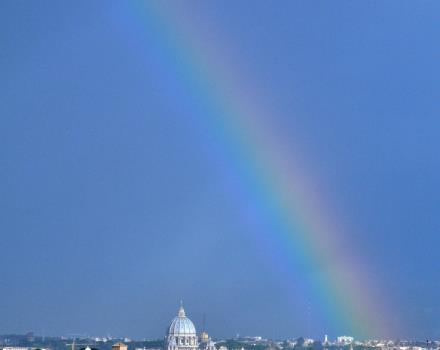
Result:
[[111, 203]]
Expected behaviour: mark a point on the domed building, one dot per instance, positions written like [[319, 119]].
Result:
[[181, 334], [206, 342]]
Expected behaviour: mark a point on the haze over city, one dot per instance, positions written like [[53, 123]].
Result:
[[273, 165]]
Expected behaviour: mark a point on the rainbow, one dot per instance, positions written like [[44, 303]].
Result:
[[286, 200]]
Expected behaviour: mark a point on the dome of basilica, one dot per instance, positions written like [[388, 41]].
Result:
[[181, 325]]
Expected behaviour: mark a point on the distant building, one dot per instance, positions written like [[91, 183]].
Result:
[[119, 346], [254, 338], [308, 341], [204, 337], [344, 340], [205, 342], [181, 334], [20, 348]]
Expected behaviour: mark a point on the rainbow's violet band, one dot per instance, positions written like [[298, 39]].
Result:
[[291, 212]]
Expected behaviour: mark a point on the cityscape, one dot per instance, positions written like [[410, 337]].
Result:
[[182, 334]]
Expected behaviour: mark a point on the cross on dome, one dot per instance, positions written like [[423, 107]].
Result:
[[181, 312]]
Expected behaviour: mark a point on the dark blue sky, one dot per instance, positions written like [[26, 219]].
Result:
[[113, 208]]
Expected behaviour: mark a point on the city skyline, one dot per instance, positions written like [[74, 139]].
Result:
[[181, 326], [275, 167]]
